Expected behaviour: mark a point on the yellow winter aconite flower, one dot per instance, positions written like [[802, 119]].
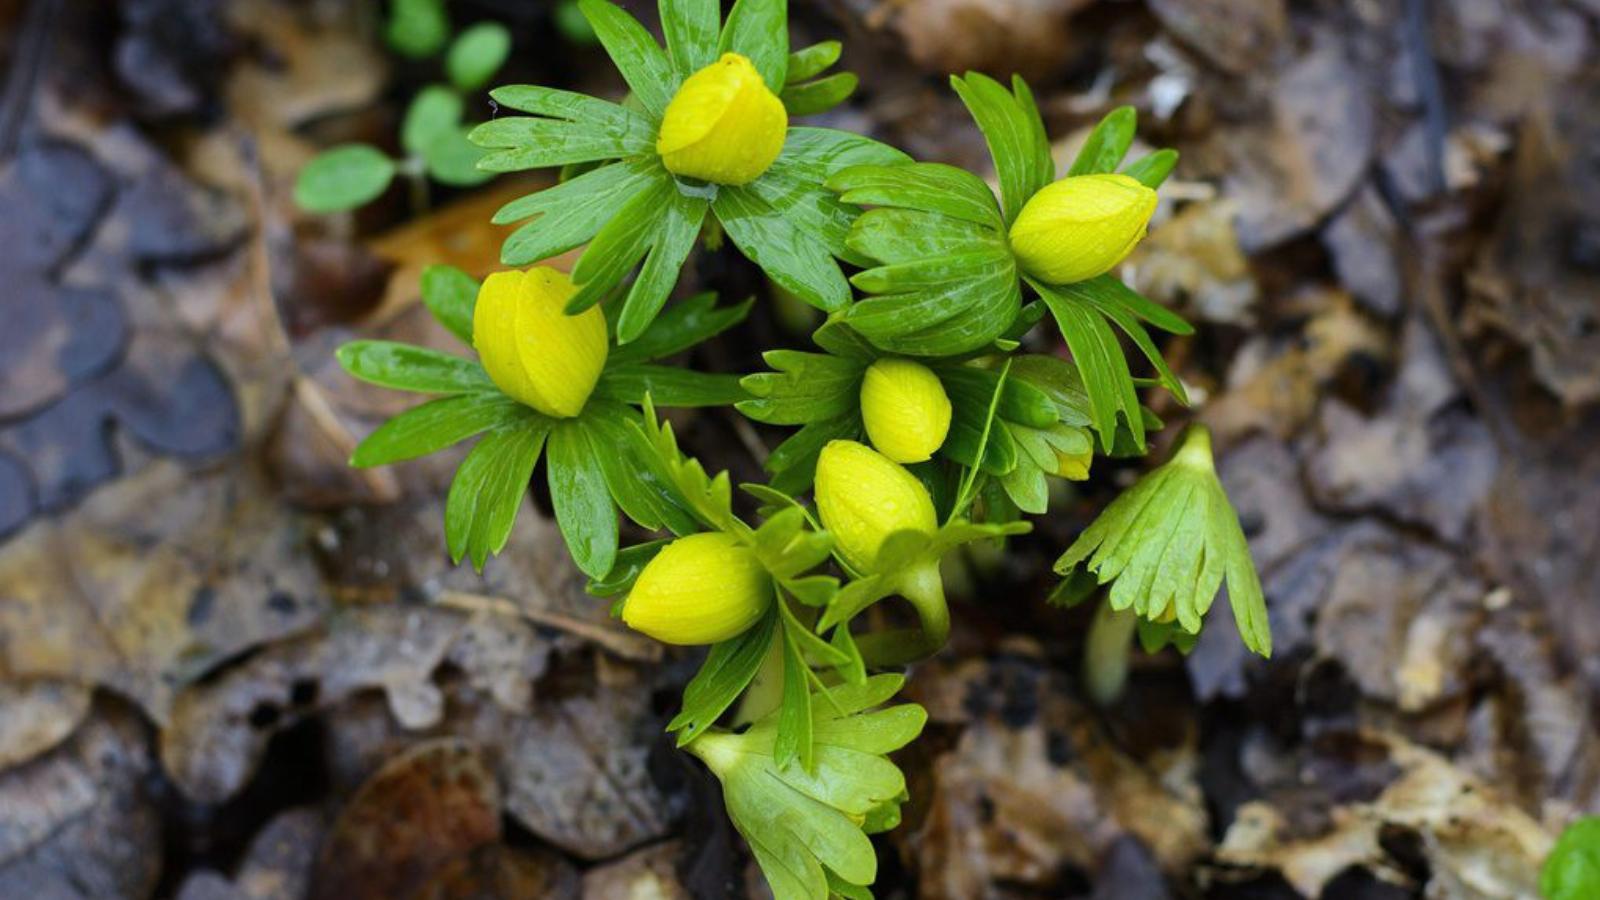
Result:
[[1081, 226], [724, 125], [863, 497], [531, 348], [905, 408], [699, 589]]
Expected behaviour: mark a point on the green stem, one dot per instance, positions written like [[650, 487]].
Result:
[[1105, 658], [923, 588], [968, 490], [1194, 449]]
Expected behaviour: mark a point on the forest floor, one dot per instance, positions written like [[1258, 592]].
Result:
[[233, 667]]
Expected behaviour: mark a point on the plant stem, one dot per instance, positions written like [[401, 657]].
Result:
[[1105, 658], [923, 588]]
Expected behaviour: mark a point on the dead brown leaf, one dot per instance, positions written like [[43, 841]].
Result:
[[422, 810], [1478, 845], [1034, 785], [76, 822]]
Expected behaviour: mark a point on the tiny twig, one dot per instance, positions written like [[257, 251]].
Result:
[[621, 643]]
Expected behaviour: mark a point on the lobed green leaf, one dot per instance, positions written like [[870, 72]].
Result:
[[931, 187], [812, 97], [636, 54], [572, 213], [729, 668], [759, 29], [690, 28], [682, 326], [1015, 134]]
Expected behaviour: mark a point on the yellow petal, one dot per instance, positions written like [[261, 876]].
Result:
[[533, 350], [724, 125], [699, 589], [863, 497], [1081, 226], [905, 409]]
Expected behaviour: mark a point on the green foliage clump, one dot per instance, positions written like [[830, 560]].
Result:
[[947, 284]]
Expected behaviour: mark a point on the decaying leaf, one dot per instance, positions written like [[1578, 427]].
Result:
[[1275, 384], [1237, 37], [78, 821], [219, 730], [1000, 36], [1539, 273], [35, 715], [1034, 785], [1421, 459], [1305, 157], [1477, 845], [154, 580], [1193, 260], [431, 805]]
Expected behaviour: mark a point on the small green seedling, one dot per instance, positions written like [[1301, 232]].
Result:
[[433, 133]]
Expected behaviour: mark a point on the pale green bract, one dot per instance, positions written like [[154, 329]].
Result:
[[808, 827]]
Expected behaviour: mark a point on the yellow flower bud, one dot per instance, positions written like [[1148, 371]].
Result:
[[1073, 465], [724, 124], [905, 408], [1081, 226], [863, 497], [699, 589], [531, 348]]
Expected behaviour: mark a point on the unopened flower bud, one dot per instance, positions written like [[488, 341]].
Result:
[[699, 589], [724, 125], [863, 497], [905, 408], [1081, 226], [1073, 465], [531, 348]]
